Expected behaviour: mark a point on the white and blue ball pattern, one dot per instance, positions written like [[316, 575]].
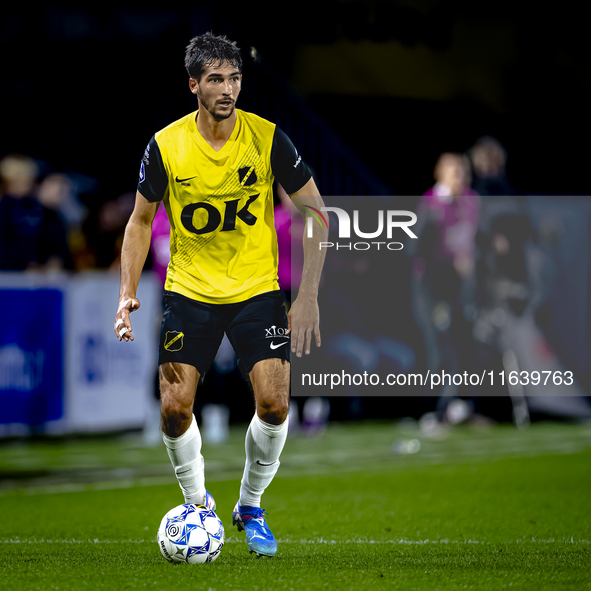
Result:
[[190, 533]]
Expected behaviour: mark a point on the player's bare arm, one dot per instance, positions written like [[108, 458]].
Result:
[[303, 318], [136, 243]]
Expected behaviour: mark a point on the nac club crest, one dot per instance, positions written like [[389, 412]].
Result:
[[173, 340]]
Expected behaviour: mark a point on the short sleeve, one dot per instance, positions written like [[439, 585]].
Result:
[[288, 167], [153, 179]]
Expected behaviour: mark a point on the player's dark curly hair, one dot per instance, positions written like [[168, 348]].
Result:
[[208, 50]]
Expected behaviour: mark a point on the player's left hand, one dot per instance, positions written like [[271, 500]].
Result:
[[302, 319]]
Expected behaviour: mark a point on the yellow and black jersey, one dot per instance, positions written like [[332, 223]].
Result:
[[223, 245]]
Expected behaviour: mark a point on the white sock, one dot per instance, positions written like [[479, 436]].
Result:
[[264, 443], [185, 454]]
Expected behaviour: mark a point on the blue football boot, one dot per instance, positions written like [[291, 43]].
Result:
[[209, 501], [259, 538]]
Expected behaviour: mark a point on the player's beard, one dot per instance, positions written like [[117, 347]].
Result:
[[211, 108]]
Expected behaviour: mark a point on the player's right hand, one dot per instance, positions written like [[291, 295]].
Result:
[[123, 326]]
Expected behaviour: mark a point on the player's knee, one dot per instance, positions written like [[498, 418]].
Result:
[[176, 417], [274, 411]]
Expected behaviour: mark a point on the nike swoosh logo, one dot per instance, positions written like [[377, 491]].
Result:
[[183, 180], [274, 346], [261, 463]]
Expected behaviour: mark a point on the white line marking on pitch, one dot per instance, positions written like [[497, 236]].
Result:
[[312, 541]]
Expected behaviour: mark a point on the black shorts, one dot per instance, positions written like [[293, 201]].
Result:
[[192, 331]]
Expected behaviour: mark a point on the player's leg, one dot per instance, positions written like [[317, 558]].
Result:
[[191, 335], [180, 433], [258, 337], [264, 443], [267, 431]]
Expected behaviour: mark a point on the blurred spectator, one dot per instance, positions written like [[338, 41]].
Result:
[[57, 192], [160, 245], [289, 224], [504, 284], [32, 236], [443, 261], [448, 217], [113, 216], [18, 174], [505, 229], [489, 161]]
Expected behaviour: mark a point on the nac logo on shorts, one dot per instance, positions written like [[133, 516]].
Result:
[[210, 218], [173, 341]]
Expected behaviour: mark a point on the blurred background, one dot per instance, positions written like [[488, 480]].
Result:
[[473, 116]]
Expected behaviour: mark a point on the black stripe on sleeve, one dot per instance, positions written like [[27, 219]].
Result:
[[288, 167], [153, 179]]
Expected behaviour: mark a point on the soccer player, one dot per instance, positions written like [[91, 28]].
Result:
[[214, 170]]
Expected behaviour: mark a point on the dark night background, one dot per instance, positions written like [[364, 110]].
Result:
[[84, 89]]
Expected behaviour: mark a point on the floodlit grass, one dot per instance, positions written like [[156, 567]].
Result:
[[490, 509]]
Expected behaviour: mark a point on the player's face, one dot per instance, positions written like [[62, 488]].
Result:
[[218, 90]]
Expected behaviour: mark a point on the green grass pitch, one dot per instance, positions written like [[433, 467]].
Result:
[[489, 509]]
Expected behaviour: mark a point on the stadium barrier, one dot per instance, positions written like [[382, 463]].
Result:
[[62, 369]]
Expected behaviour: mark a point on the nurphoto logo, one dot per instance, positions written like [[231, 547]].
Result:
[[386, 223]]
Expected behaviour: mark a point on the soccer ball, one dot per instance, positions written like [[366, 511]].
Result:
[[190, 533]]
